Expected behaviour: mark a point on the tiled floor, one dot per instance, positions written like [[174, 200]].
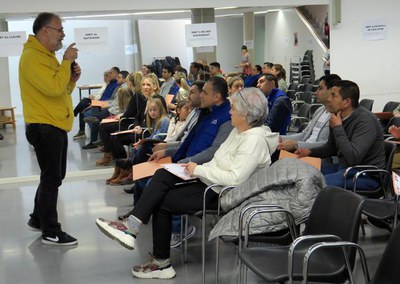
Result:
[[96, 259]]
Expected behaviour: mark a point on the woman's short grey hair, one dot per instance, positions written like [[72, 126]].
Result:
[[253, 104]]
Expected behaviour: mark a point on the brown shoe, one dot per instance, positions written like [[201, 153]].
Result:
[[117, 171], [128, 179], [117, 181], [106, 160]]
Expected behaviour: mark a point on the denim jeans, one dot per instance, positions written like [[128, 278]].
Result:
[[334, 175], [50, 144]]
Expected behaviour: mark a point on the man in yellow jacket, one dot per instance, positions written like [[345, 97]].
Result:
[[46, 87]]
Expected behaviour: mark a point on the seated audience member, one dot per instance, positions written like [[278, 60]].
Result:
[[145, 69], [156, 122], [85, 102], [150, 90], [279, 105], [280, 74], [215, 69], [195, 68], [134, 110], [317, 131], [356, 137], [184, 88], [235, 84], [177, 124], [93, 115], [246, 150], [169, 81], [251, 81], [203, 76], [267, 68]]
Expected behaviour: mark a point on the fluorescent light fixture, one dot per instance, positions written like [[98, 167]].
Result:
[[126, 14], [228, 15], [226, 8], [264, 12]]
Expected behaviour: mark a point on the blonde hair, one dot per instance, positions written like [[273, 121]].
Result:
[[153, 77], [136, 79], [161, 114], [180, 78], [124, 95]]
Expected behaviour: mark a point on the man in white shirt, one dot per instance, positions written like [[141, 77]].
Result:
[[167, 74], [317, 131]]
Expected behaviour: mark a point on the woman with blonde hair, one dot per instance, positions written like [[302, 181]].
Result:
[[184, 88], [235, 84]]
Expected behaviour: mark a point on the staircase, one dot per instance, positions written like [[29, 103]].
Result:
[[317, 25]]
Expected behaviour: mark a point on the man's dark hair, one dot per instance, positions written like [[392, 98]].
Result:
[[348, 90], [270, 77], [219, 85], [215, 64], [42, 20], [269, 64], [244, 47], [199, 85], [258, 67], [169, 69], [116, 69], [124, 73], [330, 80], [150, 68]]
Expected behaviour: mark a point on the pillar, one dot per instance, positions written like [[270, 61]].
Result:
[[200, 16], [248, 33]]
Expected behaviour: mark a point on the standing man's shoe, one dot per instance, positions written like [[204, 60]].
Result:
[[59, 239], [89, 146]]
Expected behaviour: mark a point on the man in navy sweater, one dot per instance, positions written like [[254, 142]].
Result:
[[279, 106]]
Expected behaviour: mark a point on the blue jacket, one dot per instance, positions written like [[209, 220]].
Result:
[[109, 90], [203, 134], [251, 81], [280, 111]]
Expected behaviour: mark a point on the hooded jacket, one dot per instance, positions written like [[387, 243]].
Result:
[[239, 157], [45, 86]]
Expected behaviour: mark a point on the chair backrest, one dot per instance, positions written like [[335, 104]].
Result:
[[304, 110], [313, 109], [367, 104], [336, 211], [308, 87], [293, 86], [387, 271], [390, 106], [393, 121], [305, 96]]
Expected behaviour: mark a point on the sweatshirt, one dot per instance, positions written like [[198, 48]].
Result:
[[45, 86]]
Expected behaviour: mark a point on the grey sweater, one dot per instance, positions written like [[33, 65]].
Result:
[[358, 141]]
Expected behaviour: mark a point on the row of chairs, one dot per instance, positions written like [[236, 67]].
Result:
[[379, 204]]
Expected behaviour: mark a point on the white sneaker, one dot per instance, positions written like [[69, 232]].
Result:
[[176, 238], [154, 269], [117, 230]]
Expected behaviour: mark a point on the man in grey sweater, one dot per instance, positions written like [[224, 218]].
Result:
[[317, 131], [355, 137]]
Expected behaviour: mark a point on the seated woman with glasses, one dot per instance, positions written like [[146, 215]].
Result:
[[247, 149]]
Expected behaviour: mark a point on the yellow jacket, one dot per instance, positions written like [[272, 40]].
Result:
[[45, 86]]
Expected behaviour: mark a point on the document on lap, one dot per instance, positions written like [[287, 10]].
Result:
[[396, 182], [178, 170], [315, 162], [98, 103], [147, 169]]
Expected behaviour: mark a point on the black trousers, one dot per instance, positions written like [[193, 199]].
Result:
[[162, 198], [105, 131], [50, 145]]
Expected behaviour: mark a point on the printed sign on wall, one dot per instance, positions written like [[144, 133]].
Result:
[[11, 43], [201, 35], [375, 30]]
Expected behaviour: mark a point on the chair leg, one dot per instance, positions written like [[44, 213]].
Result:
[[216, 259], [185, 258], [363, 228], [203, 249]]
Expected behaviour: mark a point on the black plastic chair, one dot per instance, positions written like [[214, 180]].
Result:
[[302, 116], [367, 104], [390, 106], [283, 263], [387, 271]]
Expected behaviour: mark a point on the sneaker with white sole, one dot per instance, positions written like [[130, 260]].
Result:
[[158, 269], [79, 135], [117, 230], [58, 239], [176, 238]]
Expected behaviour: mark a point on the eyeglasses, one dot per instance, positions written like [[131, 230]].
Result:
[[61, 31], [240, 94]]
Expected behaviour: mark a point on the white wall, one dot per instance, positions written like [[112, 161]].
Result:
[[93, 63], [373, 65], [160, 38], [279, 29], [259, 40]]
